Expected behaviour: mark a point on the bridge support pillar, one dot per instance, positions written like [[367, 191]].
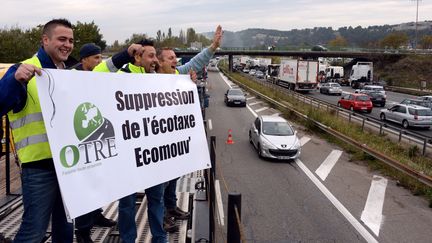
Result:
[[230, 63]]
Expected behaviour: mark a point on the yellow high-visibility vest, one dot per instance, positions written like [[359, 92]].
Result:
[[28, 128]]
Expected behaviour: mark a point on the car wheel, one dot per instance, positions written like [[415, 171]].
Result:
[[382, 117], [405, 124], [259, 151], [250, 138]]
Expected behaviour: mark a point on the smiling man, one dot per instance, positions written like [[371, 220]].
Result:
[[18, 97]]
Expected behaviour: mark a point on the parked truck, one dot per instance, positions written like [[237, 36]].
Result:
[[298, 75], [361, 74], [272, 73], [336, 74]]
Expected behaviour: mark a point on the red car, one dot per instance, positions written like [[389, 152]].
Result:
[[356, 102]]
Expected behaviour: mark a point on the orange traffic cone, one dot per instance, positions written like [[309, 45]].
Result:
[[229, 140]]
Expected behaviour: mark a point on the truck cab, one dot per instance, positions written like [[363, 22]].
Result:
[[361, 74]]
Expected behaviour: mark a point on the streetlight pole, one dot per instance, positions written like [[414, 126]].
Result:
[[416, 26]]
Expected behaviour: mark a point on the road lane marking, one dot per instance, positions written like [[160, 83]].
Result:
[[275, 114], [338, 205], [219, 203], [250, 98], [225, 79], [261, 109], [328, 164], [256, 103], [210, 125], [304, 140], [372, 213], [252, 111]]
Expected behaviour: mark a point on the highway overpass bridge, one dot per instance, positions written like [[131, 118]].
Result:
[[374, 56]]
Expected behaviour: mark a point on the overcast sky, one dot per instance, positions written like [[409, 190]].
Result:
[[118, 20]]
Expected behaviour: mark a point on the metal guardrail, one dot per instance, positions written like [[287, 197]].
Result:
[[427, 180]]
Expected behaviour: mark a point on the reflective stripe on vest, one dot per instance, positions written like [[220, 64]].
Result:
[[27, 125], [26, 120], [131, 68], [31, 140]]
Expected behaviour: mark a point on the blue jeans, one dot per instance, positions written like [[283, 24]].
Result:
[[156, 212], [126, 219], [170, 197], [42, 199]]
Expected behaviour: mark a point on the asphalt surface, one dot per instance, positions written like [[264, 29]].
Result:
[[288, 202]]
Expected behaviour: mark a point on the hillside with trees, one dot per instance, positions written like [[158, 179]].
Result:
[[353, 37]]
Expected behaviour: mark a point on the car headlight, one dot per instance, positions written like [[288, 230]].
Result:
[[266, 144], [297, 144]]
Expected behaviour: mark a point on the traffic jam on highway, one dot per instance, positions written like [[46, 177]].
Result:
[[318, 76], [370, 202]]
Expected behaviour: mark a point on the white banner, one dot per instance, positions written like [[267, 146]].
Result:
[[115, 134]]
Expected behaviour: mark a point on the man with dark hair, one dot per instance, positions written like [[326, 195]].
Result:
[[90, 57], [145, 62], [19, 98]]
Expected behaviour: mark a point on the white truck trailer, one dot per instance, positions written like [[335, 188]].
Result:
[[298, 75]]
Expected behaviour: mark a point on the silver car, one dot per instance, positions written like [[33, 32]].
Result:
[[408, 115], [331, 88], [273, 137]]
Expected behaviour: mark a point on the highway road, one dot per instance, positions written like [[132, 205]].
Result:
[[392, 99], [325, 196]]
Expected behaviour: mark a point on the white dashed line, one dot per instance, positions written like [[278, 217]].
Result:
[[328, 164], [250, 98], [304, 140], [219, 203], [372, 213], [261, 109], [210, 125], [256, 103]]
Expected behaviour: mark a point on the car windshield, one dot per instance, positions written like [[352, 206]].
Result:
[[235, 92], [277, 129], [362, 98], [335, 85]]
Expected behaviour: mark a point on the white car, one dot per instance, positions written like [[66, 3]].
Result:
[[426, 97], [274, 137]]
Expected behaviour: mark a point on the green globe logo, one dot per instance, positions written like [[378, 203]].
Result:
[[87, 120]]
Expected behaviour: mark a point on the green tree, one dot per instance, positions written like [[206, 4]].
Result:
[[17, 45], [182, 37], [86, 33], [426, 42], [169, 32], [394, 40], [159, 36], [191, 36], [338, 42], [135, 38]]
